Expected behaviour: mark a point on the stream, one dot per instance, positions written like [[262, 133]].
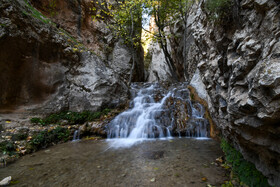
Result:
[[176, 162], [161, 140]]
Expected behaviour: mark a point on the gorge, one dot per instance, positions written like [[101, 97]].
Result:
[[55, 58]]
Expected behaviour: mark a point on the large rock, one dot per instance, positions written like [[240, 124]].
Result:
[[44, 70], [239, 64], [158, 69], [76, 17]]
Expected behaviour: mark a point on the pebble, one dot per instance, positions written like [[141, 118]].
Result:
[[6, 181], [153, 180]]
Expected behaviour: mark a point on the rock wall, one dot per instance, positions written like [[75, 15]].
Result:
[[76, 17], [238, 65], [44, 69]]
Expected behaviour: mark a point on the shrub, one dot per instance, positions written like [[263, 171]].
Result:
[[7, 147], [71, 117], [19, 136], [37, 121], [246, 171], [45, 138], [219, 10]]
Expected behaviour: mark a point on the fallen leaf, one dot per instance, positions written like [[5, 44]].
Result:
[[219, 160], [153, 180], [204, 179]]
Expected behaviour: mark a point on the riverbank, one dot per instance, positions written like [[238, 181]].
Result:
[[20, 135]]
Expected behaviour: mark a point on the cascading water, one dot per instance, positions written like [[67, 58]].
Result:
[[158, 113], [76, 136]]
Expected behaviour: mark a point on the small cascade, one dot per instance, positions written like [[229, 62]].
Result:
[[156, 112], [76, 135]]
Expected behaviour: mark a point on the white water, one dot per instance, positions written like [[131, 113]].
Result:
[[148, 119], [76, 136]]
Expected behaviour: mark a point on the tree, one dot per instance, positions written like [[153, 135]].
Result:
[[125, 20], [166, 13]]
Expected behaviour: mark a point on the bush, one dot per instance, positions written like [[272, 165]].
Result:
[[19, 137], [219, 11], [246, 171], [71, 117], [36, 120], [45, 138], [7, 147]]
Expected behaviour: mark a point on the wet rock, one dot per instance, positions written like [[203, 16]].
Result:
[[153, 155], [175, 114]]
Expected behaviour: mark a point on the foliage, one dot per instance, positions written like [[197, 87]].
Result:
[[219, 10], [71, 117], [46, 138], [246, 171], [52, 7], [147, 60], [227, 184], [121, 18], [36, 120], [19, 136], [7, 147]]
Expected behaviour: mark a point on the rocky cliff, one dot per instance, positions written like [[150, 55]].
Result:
[[237, 68], [55, 57]]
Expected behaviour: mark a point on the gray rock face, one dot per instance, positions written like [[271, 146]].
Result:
[[76, 18], [93, 85], [240, 67], [158, 70], [44, 71]]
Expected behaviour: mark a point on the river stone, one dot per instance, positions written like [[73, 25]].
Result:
[[6, 181]]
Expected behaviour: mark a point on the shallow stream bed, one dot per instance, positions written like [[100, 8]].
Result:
[[176, 162]]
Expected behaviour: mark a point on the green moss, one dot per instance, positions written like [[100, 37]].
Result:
[[246, 171], [69, 36], [71, 117], [14, 182], [35, 13]]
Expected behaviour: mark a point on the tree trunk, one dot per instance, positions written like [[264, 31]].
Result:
[[132, 49]]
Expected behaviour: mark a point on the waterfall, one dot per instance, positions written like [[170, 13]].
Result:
[[76, 135], [156, 112]]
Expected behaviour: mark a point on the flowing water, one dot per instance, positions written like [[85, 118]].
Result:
[[158, 113]]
